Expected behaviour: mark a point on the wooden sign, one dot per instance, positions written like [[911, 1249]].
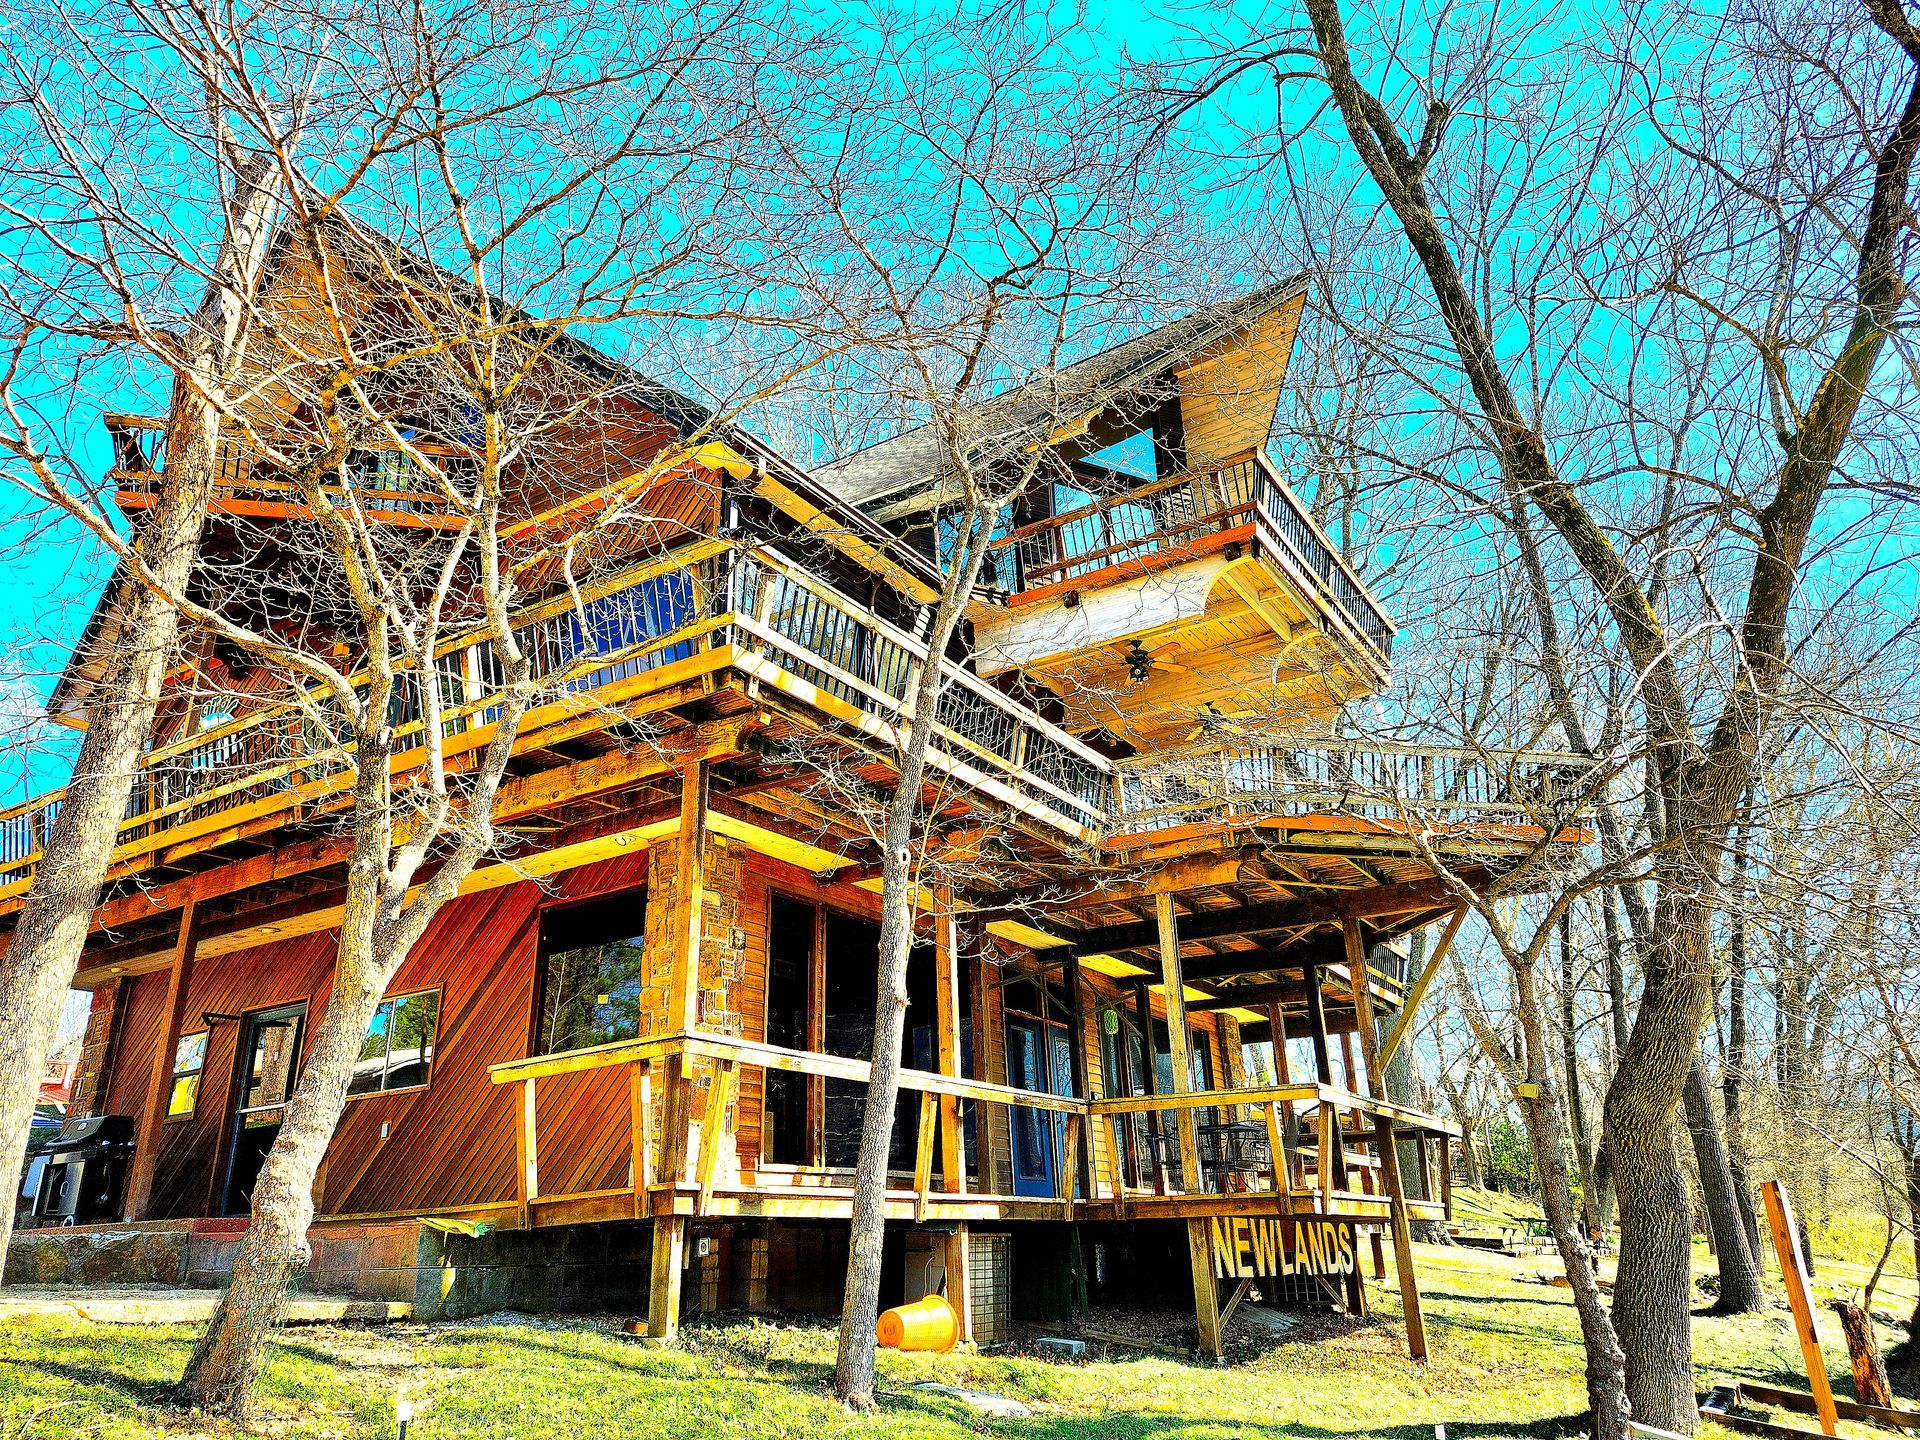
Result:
[[1248, 1247], [1793, 1269]]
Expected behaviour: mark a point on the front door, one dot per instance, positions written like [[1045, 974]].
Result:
[[269, 1063], [1039, 1058]]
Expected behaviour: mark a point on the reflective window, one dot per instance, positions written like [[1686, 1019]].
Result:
[[398, 1051], [189, 1059], [591, 983]]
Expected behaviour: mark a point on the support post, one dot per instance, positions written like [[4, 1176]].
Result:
[[1175, 985], [947, 1012], [690, 853], [1206, 1294], [153, 1105], [1387, 1147], [640, 1128], [960, 1278], [526, 1152], [669, 1255], [1335, 1165]]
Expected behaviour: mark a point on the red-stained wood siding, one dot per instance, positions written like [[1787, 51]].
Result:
[[448, 1145]]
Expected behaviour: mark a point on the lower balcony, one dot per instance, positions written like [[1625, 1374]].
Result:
[[1291, 1150]]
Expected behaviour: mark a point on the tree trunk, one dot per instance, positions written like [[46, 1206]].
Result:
[[860, 1305], [1740, 1292], [224, 1366], [58, 911], [1870, 1384], [1605, 1369], [1570, 1058], [1653, 1286], [1733, 1073]]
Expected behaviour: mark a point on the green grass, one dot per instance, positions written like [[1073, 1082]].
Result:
[[1506, 1361]]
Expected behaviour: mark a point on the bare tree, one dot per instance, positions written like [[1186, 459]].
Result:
[[1734, 243], [432, 368]]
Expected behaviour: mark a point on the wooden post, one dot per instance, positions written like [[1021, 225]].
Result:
[[1793, 1269], [669, 1254], [1446, 1177], [923, 1154], [1206, 1290], [960, 1279], [640, 1128], [1384, 1143], [153, 1105], [1206, 1294], [1175, 985], [713, 1131], [1283, 1072], [526, 1151], [947, 1012], [690, 875], [1336, 1163]]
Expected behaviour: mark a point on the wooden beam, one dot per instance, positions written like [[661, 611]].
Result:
[[1403, 1024], [1206, 1295], [1385, 1146], [947, 1012], [713, 1130], [669, 1256], [153, 1107], [957, 1259], [1793, 1270], [1269, 915], [526, 1152], [690, 879]]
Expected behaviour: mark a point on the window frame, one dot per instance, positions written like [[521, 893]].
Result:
[[433, 1067], [175, 1074]]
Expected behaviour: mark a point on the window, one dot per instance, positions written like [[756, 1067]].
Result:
[[594, 971], [398, 1051], [189, 1059]]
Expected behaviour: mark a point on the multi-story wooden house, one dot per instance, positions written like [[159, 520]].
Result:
[[1144, 1045]]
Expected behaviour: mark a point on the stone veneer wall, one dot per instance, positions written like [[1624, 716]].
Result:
[[98, 1047]]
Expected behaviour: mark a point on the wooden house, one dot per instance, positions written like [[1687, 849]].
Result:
[[1144, 1045]]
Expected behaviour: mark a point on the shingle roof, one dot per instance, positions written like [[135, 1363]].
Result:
[[891, 468]]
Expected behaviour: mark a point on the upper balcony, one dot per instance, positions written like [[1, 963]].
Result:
[[390, 485], [1166, 521], [713, 607], [1207, 591]]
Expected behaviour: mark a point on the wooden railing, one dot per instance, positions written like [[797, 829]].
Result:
[[1274, 1139], [1164, 515], [672, 1151], [1373, 780], [704, 596], [385, 480], [676, 1152]]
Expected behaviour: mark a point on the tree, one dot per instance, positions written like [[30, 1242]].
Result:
[[433, 367], [1027, 227], [1750, 243], [107, 259]]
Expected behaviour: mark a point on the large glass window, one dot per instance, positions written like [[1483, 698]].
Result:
[[591, 981], [398, 1051], [189, 1059]]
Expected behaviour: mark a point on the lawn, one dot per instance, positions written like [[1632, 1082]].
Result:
[[1506, 1362]]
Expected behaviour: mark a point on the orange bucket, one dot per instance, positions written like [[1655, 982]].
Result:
[[928, 1324]]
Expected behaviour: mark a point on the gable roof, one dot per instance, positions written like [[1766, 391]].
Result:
[[821, 507], [906, 468]]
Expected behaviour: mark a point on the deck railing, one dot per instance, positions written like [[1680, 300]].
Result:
[[1371, 780], [1162, 516], [679, 1140], [385, 479], [705, 595]]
